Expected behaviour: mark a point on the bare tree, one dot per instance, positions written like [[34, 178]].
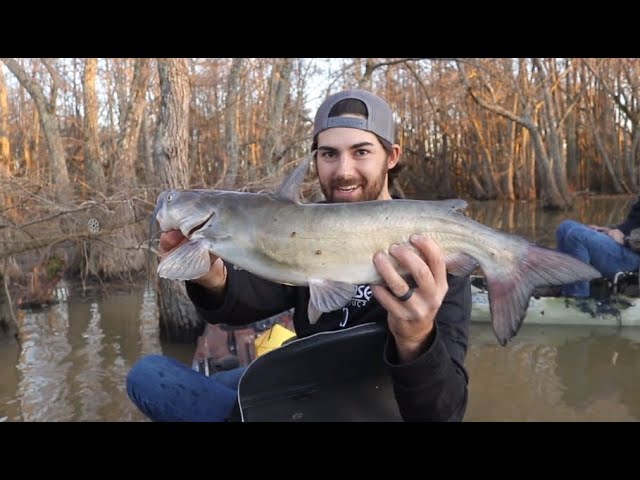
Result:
[[280, 88], [550, 195], [177, 315], [124, 171], [92, 151], [625, 94], [47, 113], [231, 123], [5, 145]]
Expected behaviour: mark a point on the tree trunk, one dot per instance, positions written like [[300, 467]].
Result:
[[571, 136], [230, 124], [177, 315], [490, 179], [171, 151], [92, 153], [150, 174], [5, 146], [280, 87], [618, 186], [124, 171], [49, 122], [558, 160]]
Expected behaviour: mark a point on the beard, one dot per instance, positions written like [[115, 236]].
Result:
[[366, 188]]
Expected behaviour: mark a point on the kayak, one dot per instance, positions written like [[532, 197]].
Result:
[[337, 376], [617, 304]]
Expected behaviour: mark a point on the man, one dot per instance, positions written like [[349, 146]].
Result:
[[607, 249], [428, 325]]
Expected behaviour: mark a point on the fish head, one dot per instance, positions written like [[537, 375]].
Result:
[[193, 212]]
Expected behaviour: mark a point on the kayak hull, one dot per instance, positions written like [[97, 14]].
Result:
[[617, 310]]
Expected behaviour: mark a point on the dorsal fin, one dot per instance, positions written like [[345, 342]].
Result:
[[454, 204], [290, 187]]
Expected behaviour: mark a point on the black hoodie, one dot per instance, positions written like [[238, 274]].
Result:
[[433, 387], [633, 219]]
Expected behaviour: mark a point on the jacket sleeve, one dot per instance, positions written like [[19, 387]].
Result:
[[434, 387], [633, 219], [247, 299]]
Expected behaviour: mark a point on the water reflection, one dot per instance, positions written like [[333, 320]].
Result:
[[74, 357], [87, 382], [600, 368], [149, 327], [529, 220], [555, 373], [44, 365], [9, 401]]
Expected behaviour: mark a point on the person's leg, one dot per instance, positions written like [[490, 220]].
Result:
[[569, 238], [562, 230], [229, 378], [597, 249], [166, 390], [609, 257]]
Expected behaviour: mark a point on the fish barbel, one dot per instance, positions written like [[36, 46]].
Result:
[[329, 247]]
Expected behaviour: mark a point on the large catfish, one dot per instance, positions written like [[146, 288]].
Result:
[[329, 247]]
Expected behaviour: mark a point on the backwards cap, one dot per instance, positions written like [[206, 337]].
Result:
[[379, 116]]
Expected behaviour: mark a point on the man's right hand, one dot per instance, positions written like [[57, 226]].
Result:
[[214, 280]]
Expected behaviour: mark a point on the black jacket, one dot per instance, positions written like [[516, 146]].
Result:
[[633, 219], [431, 388]]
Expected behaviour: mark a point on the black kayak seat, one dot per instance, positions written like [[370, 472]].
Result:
[[337, 376]]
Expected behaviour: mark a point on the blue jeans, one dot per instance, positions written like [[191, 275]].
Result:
[[166, 390], [595, 248]]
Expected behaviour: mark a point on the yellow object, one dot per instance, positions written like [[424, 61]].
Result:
[[272, 339]]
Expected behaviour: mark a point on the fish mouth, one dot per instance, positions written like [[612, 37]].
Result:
[[193, 230]]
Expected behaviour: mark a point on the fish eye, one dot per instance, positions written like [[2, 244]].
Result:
[[169, 197]]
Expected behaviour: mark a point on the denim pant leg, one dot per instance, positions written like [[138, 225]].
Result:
[[568, 235], [166, 390], [595, 248]]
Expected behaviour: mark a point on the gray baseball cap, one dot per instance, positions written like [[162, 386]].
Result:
[[379, 121]]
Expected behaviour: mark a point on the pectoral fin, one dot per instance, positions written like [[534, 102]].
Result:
[[327, 296], [190, 260]]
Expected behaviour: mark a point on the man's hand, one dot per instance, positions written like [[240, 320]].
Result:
[[214, 280], [614, 233], [411, 321], [617, 235]]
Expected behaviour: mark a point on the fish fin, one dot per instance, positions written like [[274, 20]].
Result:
[[454, 204], [313, 313], [461, 264], [188, 261], [509, 291], [290, 187], [327, 296]]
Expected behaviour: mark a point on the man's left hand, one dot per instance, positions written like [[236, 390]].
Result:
[[411, 321], [617, 235]]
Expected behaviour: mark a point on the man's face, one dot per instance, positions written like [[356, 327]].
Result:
[[352, 165]]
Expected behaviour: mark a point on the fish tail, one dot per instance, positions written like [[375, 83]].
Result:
[[510, 288]]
